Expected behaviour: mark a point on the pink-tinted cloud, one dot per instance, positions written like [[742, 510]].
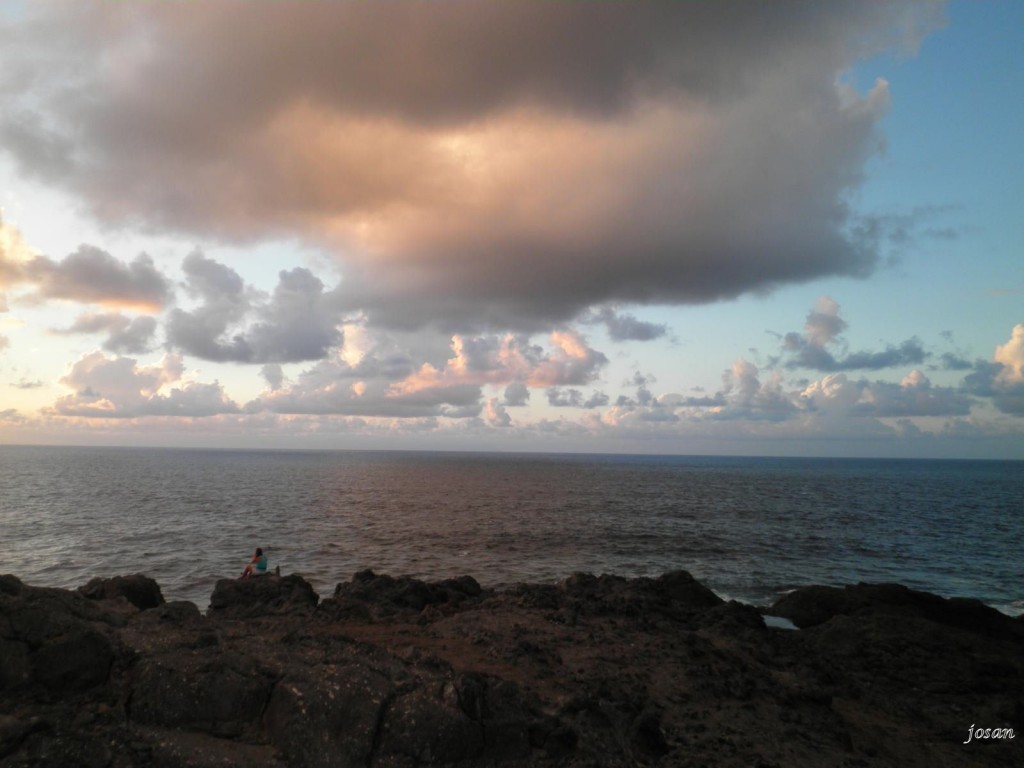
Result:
[[15, 253], [510, 359], [387, 383], [474, 165], [913, 396], [118, 387], [1002, 379], [1011, 357]]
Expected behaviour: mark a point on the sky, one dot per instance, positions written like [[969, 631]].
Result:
[[738, 228]]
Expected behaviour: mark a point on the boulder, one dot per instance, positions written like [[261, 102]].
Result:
[[218, 694], [264, 595], [369, 594], [10, 585], [138, 589], [74, 662], [682, 588], [53, 638], [327, 715], [178, 612], [429, 727], [676, 594], [812, 606]]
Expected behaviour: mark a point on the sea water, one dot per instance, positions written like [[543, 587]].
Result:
[[749, 528]]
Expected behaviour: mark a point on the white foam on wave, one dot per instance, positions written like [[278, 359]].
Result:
[[778, 622]]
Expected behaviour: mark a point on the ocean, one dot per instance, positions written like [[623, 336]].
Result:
[[749, 528]]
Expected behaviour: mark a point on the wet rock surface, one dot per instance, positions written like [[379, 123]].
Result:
[[595, 671]]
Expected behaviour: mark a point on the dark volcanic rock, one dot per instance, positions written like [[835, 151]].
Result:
[[264, 595], [54, 639], [75, 661], [178, 612], [429, 727], [675, 593], [221, 694], [139, 590], [327, 715], [811, 606], [596, 671], [374, 595]]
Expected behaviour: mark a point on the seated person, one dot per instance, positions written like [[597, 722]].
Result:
[[257, 565]]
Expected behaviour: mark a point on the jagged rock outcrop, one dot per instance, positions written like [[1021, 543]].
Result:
[[902, 653], [138, 589], [369, 595], [595, 671], [812, 606], [264, 595]]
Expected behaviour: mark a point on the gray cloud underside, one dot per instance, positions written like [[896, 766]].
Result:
[[117, 388], [984, 382], [90, 275], [822, 329], [953, 362], [891, 400], [12, 416], [626, 327], [910, 352], [573, 398], [517, 394], [193, 400], [456, 401], [124, 335], [856, 399], [297, 323], [503, 164]]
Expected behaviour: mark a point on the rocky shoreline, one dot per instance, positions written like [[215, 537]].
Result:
[[595, 671]]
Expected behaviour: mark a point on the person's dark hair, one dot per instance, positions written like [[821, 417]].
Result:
[[259, 550]]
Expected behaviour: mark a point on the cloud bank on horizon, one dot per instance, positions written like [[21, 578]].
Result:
[[491, 180]]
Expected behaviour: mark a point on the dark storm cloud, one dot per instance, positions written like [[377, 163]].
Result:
[[503, 164]]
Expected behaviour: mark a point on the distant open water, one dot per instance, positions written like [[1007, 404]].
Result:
[[749, 528]]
